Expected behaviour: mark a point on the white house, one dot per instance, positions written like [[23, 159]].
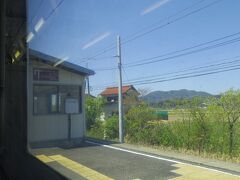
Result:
[[55, 100]]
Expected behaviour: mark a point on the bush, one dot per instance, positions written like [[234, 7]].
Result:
[[97, 130], [136, 121], [199, 129], [111, 128], [93, 109]]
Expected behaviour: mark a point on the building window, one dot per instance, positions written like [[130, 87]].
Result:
[[45, 99], [67, 92], [109, 99], [112, 99], [49, 99], [45, 74], [53, 105]]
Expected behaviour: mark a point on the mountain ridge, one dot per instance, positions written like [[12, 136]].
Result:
[[158, 96]]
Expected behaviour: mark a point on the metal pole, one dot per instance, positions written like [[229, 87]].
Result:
[[69, 128], [88, 86], [120, 108]]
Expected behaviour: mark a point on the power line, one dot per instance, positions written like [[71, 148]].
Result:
[[173, 21], [204, 66], [40, 4], [189, 69], [145, 61], [36, 12], [146, 78], [109, 48], [166, 18], [94, 59], [221, 70], [188, 53], [190, 76], [188, 48], [125, 74], [106, 69], [54, 9], [158, 27], [190, 73], [24, 21], [112, 45]]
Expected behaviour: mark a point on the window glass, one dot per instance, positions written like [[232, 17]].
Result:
[[52, 99], [67, 92], [53, 105], [45, 99], [109, 99], [112, 99]]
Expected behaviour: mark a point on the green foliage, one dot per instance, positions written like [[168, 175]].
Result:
[[111, 128], [136, 120], [200, 124], [97, 130], [228, 107], [93, 109], [210, 126], [204, 126]]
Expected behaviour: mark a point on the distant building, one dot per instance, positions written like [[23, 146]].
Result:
[[55, 92], [110, 94]]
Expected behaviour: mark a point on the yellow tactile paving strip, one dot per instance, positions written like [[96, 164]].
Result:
[[185, 172], [188, 172], [44, 158], [74, 166]]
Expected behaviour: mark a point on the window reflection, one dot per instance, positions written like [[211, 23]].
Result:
[[45, 99], [50, 99]]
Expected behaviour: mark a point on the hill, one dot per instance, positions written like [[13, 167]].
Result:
[[157, 96]]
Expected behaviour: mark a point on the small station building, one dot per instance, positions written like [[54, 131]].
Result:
[[55, 94]]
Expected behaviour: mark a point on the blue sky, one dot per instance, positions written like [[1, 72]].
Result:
[[80, 29]]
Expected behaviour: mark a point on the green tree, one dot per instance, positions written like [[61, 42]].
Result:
[[219, 137], [200, 123], [136, 120], [93, 109], [111, 128], [184, 121], [229, 107]]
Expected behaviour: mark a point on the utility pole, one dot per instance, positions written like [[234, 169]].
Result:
[[88, 86], [120, 108]]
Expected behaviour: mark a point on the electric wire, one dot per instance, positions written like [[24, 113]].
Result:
[[146, 60], [189, 76], [189, 53], [184, 70], [182, 77], [157, 27], [188, 48]]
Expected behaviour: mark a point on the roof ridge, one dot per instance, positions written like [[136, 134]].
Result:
[[114, 90], [49, 59], [117, 87]]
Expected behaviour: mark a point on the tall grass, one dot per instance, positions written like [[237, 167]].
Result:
[[211, 137], [203, 130]]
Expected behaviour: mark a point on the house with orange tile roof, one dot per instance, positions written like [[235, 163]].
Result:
[[110, 94]]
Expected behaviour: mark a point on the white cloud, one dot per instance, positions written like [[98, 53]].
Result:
[[96, 40], [154, 7]]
